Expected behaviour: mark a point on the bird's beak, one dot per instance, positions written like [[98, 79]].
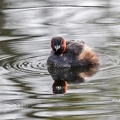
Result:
[[57, 47]]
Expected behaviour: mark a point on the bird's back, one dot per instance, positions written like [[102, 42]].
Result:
[[75, 47]]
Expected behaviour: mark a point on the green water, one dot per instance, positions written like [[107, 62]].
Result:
[[26, 28]]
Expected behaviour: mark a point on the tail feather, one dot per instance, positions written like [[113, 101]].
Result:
[[89, 56]]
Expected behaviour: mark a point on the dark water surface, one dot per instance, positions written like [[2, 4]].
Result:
[[26, 27]]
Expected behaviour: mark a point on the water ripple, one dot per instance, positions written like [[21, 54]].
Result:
[[109, 62], [109, 65], [26, 63]]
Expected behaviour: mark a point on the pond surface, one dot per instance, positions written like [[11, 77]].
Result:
[[26, 86]]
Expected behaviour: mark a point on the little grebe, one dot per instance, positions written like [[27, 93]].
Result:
[[74, 53]]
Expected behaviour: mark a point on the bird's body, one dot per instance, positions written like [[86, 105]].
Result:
[[74, 53]]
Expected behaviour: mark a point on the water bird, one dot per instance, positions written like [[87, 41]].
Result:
[[74, 53]]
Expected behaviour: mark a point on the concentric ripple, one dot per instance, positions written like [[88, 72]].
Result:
[[109, 66], [109, 62], [26, 63]]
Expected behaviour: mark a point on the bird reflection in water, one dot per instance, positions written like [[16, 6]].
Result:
[[64, 76]]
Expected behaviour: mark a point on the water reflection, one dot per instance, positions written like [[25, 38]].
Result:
[[26, 27], [64, 76]]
